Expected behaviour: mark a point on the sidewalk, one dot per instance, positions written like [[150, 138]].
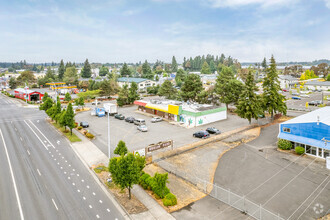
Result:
[[91, 155]]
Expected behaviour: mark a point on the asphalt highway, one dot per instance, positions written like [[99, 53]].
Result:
[[41, 177]]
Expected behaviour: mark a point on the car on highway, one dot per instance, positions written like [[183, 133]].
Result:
[[305, 96], [84, 124], [142, 128], [156, 119], [213, 130], [296, 97], [201, 134], [120, 116], [130, 119]]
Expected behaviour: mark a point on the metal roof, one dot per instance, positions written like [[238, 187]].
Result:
[[136, 80], [321, 115], [318, 83], [21, 90]]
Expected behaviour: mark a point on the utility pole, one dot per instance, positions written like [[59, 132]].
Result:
[[109, 148], [26, 95]]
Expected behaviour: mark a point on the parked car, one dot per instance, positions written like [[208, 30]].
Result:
[[156, 119], [142, 128], [213, 130], [201, 134], [285, 90], [120, 116], [84, 124], [316, 103], [296, 97], [98, 102], [295, 94], [305, 96], [130, 119], [139, 121]]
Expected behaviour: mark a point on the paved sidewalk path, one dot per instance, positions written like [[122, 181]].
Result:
[[92, 155]]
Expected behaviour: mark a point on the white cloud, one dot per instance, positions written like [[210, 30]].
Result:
[[327, 3], [238, 3]]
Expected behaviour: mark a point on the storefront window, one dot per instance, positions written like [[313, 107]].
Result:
[[326, 153], [308, 149], [320, 152], [313, 151]]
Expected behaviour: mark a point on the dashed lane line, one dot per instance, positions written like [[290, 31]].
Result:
[[55, 204]]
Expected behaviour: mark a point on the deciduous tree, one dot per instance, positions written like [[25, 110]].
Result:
[[191, 87], [167, 90], [133, 93], [121, 148]]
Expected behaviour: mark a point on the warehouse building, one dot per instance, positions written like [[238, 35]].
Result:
[[28, 95], [190, 115], [310, 131]]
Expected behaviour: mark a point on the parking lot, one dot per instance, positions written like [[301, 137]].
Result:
[[160, 131], [301, 104]]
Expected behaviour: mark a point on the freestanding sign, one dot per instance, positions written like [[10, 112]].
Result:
[[160, 145]]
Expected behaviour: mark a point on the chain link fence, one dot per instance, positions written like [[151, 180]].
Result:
[[232, 199]]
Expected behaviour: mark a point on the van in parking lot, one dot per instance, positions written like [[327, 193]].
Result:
[[140, 121]]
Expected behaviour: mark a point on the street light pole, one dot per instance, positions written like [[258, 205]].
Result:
[[109, 148]]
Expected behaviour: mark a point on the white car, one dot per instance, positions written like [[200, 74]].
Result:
[[304, 96], [156, 119], [143, 128]]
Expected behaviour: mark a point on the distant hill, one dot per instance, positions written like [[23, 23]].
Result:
[[313, 63]]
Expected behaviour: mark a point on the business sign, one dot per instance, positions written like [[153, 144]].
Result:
[[160, 145], [142, 152]]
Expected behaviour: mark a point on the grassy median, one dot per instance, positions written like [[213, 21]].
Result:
[[72, 138]]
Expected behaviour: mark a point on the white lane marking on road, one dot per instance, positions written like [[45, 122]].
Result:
[[108, 210], [45, 141], [56, 150], [36, 135], [58, 142], [73, 170], [69, 165], [73, 184], [61, 168], [64, 172], [43, 135], [82, 180], [21, 138], [55, 204], [62, 157], [97, 216], [84, 198], [87, 186], [15, 128], [77, 174], [66, 161], [78, 190], [100, 201], [39, 172], [55, 159], [28, 152], [58, 163], [59, 154], [94, 193], [90, 206], [13, 178], [52, 155], [37, 121]]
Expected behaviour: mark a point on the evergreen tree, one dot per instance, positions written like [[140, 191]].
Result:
[[50, 74], [174, 65], [104, 71], [121, 148], [105, 88], [12, 83], [227, 87], [180, 76], [69, 117], [70, 76], [86, 72], [123, 96], [146, 71], [167, 90], [205, 68], [133, 93], [44, 98], [67, 97], [191, 87], [249, 103], [212, 66], [125, 71], [61, 70], [273, 101], [126, 170], [264, 64], [58, 109]]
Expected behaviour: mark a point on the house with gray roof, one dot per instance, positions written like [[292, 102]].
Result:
[[142, 83]]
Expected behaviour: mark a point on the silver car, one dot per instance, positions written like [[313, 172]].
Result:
[[156, 119], [304, 96], [143, 128]]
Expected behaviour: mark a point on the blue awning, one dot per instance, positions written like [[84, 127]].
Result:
[[304, 140]]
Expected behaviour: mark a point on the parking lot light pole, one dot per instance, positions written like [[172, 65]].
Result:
[[109, 149]]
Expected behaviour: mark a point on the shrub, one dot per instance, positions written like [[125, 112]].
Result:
[[159, 185], [170, 200], [79, 128], [85, 132], [89, 135], [75, 124], [142, 180], [284, 144], [300, 150]]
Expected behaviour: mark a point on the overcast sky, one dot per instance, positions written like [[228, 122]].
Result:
[[130, 31]]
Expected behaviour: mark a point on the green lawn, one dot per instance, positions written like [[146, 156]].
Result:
[[72, 138]]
